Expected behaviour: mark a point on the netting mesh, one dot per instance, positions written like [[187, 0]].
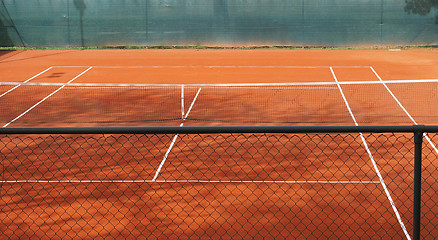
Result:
[[429, 185], [218, 22], [213, 186], [313, 103]]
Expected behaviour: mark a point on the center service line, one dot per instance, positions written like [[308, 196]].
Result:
[[174, 138]]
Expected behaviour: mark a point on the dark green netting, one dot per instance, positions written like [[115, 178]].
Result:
[[218, 22]]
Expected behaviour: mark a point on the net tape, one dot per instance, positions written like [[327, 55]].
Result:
[[253, 85]]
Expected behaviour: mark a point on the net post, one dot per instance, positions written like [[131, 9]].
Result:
[[418, 140], [182, 101]]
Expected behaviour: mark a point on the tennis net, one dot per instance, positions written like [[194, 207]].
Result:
[[373, 102]]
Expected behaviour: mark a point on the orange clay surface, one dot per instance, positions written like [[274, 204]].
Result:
[[371, 104], [298, 186], [405, 64]]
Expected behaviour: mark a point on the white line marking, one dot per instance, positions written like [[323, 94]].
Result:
[[343, 97], [193, 102], [188, 181], [44, 99], [173, 142], [165, 157], [243, 85], [430, 142], [382, 181], [403, 108], [19, 84], [217, 66], [390, 92], [70, 86]]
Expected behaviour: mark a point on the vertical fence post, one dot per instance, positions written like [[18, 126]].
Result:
[[418, 140]]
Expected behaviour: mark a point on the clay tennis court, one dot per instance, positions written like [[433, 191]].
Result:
[[216, 185]]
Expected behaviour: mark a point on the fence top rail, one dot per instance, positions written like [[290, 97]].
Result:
[[220, 129]]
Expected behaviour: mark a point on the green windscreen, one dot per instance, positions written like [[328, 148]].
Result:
[[64, 23]]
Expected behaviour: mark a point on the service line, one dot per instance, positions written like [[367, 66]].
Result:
[[187, 181], [215, 66]]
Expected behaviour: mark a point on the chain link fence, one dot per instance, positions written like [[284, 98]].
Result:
[[217, 182]]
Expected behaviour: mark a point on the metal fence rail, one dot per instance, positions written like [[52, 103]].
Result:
[[219, 182]]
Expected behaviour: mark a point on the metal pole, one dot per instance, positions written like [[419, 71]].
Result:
[[68, 24], [146, 22], [418, 140], [381, 22], [302, 24], [214, 129]]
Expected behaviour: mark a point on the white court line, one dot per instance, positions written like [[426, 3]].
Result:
[[298, 85], [382, 181], [188, 181], [44, 99], [404, 109], [19, 84], [173, 140], [165, 156], [191, 106], [217, 66]]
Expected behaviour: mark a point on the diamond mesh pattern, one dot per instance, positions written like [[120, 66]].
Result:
[[227, 186], [429, 187]]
